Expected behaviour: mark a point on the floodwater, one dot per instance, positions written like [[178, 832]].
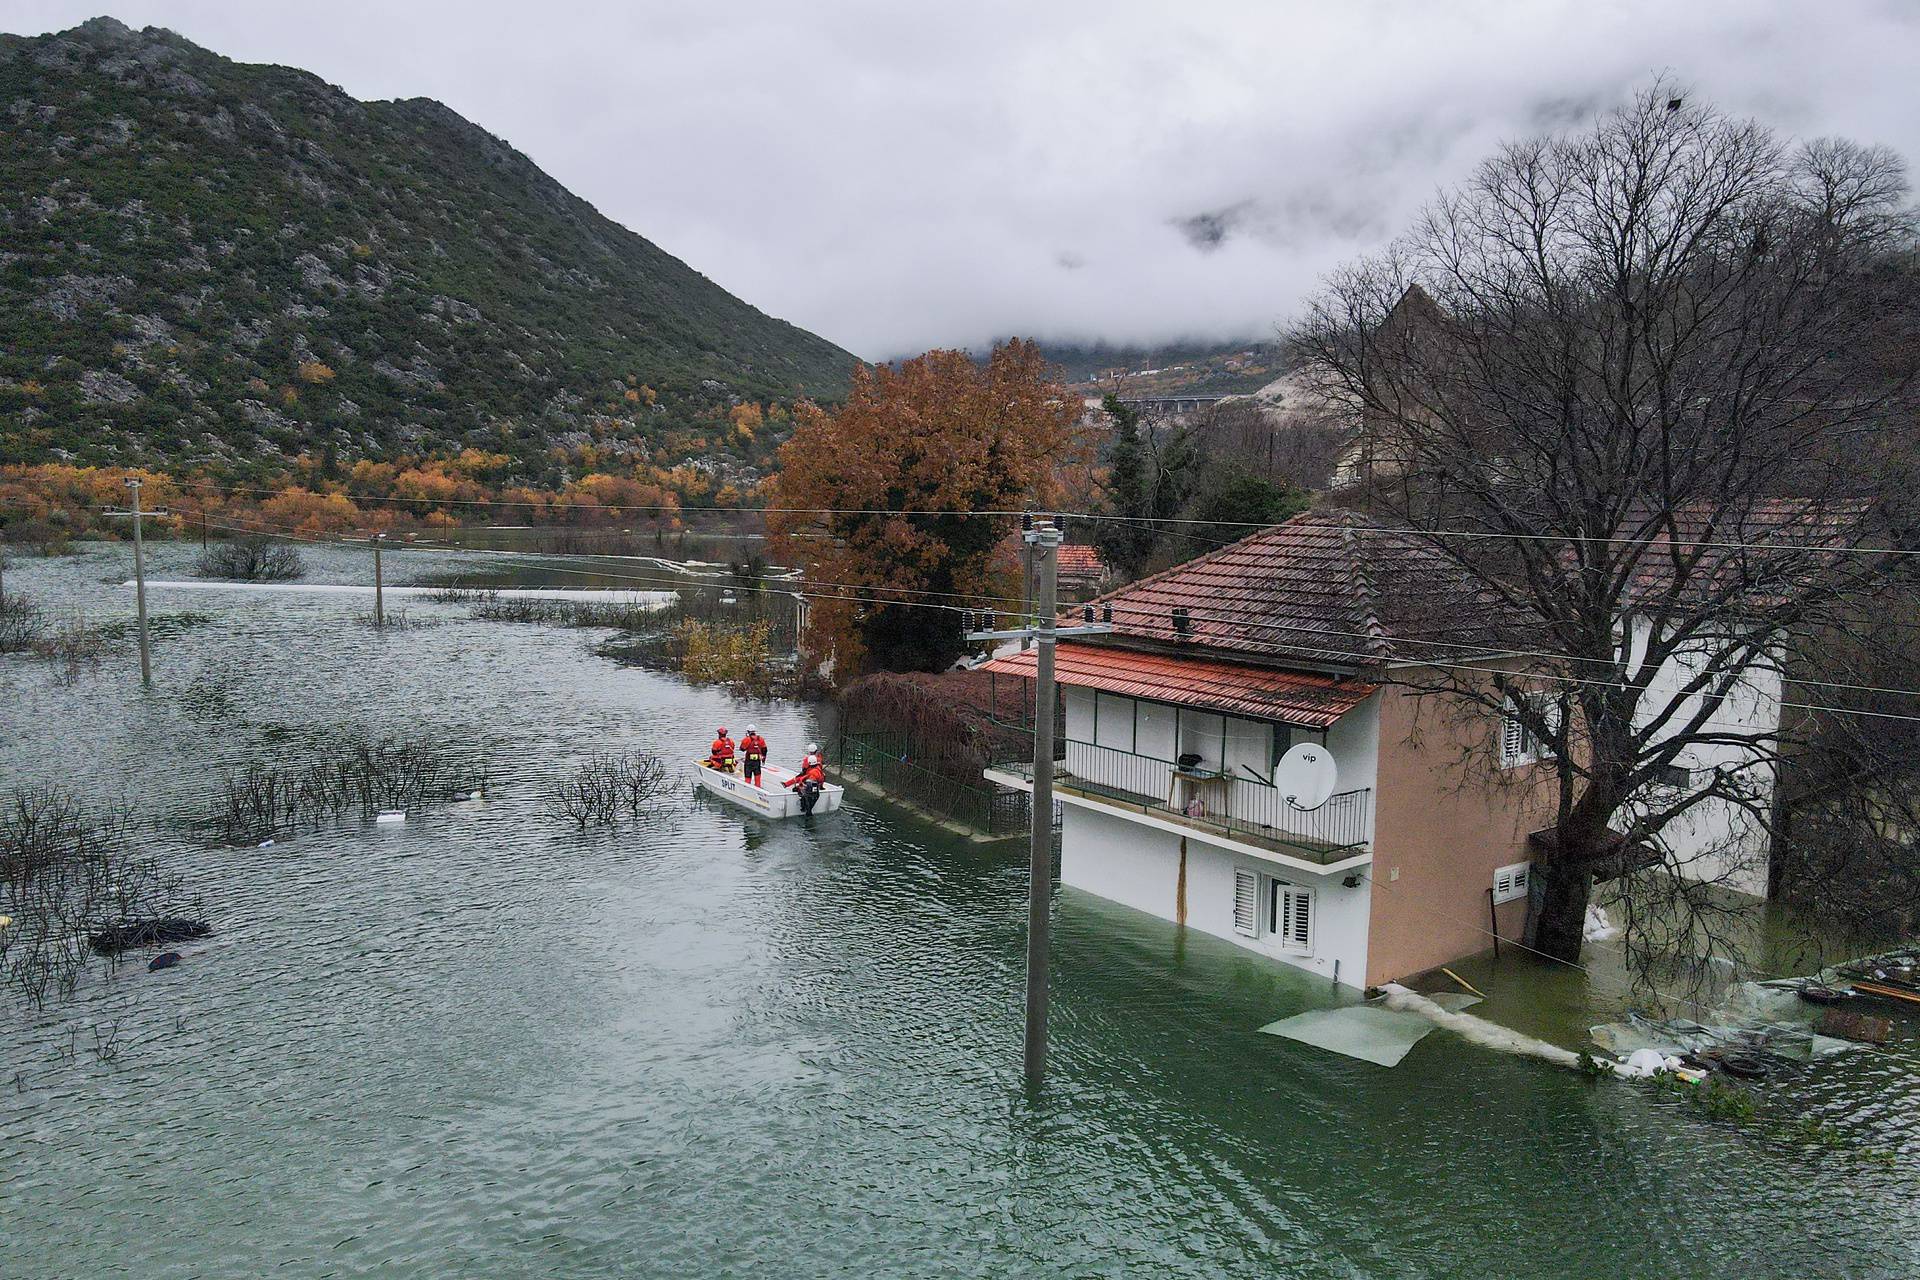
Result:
[[484, 1044]]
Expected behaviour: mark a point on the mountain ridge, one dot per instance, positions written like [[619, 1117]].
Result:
[[211, 264]]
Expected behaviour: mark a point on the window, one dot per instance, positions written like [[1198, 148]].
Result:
[[1113, 721], [1282, 739], [1519, 743], [1673, 777], [1510, 882], [1290, 916], [1274, 909]]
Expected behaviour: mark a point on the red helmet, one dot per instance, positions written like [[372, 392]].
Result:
[[721, 732]]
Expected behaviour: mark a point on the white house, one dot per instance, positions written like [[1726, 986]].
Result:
[[1174, 725]]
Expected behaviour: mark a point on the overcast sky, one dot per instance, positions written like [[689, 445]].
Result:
[[897, 175]]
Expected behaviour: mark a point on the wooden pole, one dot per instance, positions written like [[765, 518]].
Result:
[[1040, 850], [140, 583], [379, 590]]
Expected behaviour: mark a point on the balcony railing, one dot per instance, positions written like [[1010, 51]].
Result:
[[1245, 807]]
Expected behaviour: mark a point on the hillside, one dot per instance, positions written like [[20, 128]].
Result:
[[213, 264]]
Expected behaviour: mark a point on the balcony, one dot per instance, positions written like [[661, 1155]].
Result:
[[1246, 809]]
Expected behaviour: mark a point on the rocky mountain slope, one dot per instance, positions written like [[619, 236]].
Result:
[[204, 263]]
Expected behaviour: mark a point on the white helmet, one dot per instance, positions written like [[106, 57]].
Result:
[[751, 729], [813, 746]]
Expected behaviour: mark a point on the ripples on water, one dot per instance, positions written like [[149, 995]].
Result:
[[484, 1044]]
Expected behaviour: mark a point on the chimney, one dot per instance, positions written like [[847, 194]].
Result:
[[1180, 622]]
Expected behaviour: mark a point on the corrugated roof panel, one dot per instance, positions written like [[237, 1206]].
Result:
[[1311, 701]]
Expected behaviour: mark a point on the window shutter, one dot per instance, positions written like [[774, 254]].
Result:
[[1246, 901], [1510, 881], [1296, 917], [1512, 738]]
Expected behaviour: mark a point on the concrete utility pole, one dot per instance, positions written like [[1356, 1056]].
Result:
[[379, 591], [1043, 545], [1040, 848], [139, 574]]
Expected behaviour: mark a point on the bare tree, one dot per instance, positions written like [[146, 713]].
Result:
[[252, 558], [1292, 448], [1633, 381]]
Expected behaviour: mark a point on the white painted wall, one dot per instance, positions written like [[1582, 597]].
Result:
[[1354, 741], [1139, 866], [1717, 839]]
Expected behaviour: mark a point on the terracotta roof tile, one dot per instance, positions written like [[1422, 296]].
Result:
[[1327, 587], [1077, 558]]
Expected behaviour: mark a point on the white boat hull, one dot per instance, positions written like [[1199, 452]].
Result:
[[772, 799]]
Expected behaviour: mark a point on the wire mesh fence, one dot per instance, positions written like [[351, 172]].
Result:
[[888, 762]]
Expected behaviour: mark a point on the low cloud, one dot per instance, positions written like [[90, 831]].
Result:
[[901, 176]]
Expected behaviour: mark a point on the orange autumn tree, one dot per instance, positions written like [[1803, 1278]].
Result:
[[879, 501]]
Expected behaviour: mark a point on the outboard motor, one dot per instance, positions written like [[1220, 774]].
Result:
[[809, 796]]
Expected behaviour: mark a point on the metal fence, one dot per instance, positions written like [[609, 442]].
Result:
[[888, 762]]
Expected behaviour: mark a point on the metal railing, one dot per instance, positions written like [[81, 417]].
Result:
[[888, 762], [1244, 806]]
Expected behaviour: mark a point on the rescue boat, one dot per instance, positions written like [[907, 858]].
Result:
[[771, 799]]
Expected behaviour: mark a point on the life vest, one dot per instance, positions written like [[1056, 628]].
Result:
[[722, 749], [753, 747]]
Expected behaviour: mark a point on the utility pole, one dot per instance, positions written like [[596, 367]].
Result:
[[379, 592], [1043, 545], [1040, 845], [139, 573]]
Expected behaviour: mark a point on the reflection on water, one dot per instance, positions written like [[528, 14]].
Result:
[[482, 1043]]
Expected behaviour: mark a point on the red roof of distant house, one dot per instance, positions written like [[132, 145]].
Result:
[[1074, 558], [1739, 552], [1311, 701]]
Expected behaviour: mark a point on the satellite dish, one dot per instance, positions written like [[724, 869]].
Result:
[[1305, 775]]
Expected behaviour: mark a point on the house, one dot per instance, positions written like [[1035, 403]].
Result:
[[1313, 631], [1377, 451], [1080, 568]]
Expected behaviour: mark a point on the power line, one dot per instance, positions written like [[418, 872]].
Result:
[[1204, 615], [1098, 516], [677, 583]]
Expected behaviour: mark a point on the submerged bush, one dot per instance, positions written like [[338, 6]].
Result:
[[73, 647], [254, 558], [359, 774], [66, 872], [609, 786], [21, 623]]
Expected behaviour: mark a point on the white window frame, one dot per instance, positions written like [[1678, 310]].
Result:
[[1288, 904], [1510, 883], [1518, 745]]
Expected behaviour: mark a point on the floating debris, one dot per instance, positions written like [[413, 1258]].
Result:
[[1846, 1024], [153, 931]]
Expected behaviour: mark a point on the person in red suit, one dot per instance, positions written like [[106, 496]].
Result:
[[753, 752], [812, 776], [720, 755]]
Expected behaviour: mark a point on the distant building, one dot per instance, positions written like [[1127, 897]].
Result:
[[1080, 568]]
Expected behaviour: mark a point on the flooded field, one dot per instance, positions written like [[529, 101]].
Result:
[[483, 1043]]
